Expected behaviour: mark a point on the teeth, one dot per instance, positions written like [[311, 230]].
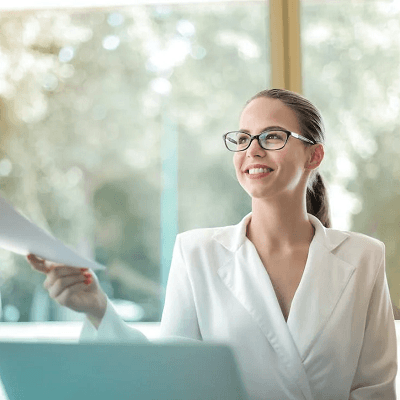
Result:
[[253, 171]]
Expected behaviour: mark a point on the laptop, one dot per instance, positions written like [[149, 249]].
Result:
[[108, 371]]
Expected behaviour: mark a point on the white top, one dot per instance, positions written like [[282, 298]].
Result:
[[339, 341]]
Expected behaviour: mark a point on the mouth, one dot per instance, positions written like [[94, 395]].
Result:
[[258, 171]]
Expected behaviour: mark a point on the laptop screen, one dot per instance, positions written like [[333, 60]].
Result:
[[145, 371]]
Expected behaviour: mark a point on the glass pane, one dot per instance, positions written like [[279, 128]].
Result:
[[111, 136], [351, 54]]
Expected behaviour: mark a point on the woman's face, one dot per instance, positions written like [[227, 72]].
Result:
[[288, 164]]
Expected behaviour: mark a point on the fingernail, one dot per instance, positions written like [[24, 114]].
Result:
[[87, 275], [29, 256], [88, 281], [84, 269]]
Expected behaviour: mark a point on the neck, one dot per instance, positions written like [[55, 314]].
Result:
[[280, 225]]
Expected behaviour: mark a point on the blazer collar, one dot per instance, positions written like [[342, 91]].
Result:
[[232, 237]]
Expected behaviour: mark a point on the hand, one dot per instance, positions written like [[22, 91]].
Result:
[[75, 288]]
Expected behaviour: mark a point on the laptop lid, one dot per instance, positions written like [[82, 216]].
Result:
[[107, 371]]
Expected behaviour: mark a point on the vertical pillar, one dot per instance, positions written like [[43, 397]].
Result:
[[169, 194], [285, 44]]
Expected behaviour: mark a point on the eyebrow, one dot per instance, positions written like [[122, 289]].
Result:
[[265, 129]]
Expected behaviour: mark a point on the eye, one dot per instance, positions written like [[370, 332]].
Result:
[[275, 136], [242, 138]]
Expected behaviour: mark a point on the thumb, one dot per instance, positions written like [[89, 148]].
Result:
[[38, 263]]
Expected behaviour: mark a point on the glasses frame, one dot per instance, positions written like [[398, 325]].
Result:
[[288, 134]]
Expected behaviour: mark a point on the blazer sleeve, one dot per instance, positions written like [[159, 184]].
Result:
[[377, 366], [179, 318], [112, 329]]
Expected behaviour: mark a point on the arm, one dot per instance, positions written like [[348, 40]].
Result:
[[110, 328], [377, 365], [179, 320], [79, 290]]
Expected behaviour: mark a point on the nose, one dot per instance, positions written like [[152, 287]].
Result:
[[255, 150]]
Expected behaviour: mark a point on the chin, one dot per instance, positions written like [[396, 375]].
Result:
[[256, 190], [258, 194]]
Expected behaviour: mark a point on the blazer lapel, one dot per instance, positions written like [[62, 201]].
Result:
[[324, 279]]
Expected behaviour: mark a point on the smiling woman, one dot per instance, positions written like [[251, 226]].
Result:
[[112, 116]]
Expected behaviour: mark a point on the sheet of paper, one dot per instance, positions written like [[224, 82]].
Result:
[[19, 235]]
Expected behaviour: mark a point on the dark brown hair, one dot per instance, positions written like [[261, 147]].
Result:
[[312, 127]]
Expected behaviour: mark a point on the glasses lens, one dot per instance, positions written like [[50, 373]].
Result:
[[273, 140], [236, 141]]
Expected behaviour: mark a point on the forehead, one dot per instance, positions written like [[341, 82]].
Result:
[[263, 112]]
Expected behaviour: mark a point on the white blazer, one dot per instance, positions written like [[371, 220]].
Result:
[[339, 341]]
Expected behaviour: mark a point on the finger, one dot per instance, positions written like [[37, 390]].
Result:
[[64, 283], [59, 273], [64, 270], [42, 264], [45, 266], [38, 263]]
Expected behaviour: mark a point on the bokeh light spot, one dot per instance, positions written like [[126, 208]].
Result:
[[66, 54], [185, 28], [11, 313], [5, 167], [115, 19], [111, 42], [161, 85]]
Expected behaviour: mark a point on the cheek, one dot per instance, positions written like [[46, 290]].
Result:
[[237, 161], [280, 156], [288, 159]]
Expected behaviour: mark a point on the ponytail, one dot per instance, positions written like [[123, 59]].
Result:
[[317, 200]]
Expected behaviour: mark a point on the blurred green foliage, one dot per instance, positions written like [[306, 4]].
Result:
[[84, 96], [351, 54]]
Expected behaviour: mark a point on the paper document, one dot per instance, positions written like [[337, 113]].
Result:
[[19, 235]]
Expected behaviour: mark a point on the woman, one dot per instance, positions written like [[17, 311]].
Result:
[[306, 308]]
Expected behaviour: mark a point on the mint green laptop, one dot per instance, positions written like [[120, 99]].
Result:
[[146, 371]]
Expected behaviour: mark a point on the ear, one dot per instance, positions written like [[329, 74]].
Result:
[[316, 156]]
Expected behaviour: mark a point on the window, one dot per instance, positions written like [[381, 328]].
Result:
[[111, 136], [351, 53]]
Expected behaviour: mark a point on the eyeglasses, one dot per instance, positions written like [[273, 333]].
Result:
[[270, 139]]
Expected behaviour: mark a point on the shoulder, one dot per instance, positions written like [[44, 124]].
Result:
[[209, 245], [363, 242], [343, 241], [360, 249], [203, 236], [201, 251]]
